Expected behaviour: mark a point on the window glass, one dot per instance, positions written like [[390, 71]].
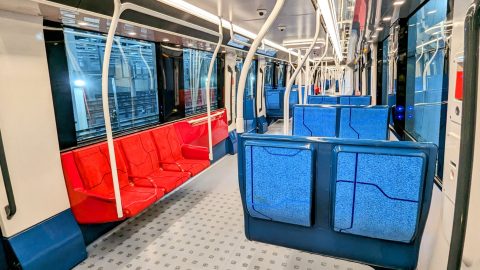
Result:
[[280, 75], [195, 65], [269, 70], [132, 89], [427, 75], [385, 71], [171, 81]]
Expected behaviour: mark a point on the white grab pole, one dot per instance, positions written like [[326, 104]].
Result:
[[299, 85], [286, 98], [248, 61], [209, 77], [106, 108], [319, 61], [118, 9]]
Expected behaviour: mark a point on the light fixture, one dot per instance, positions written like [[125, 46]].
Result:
[[379, 28], [132, 33], [387, 18], [82, 23], [316, 47], [79, 83], [398, 2], [330, 18], [165, 40], [213, 18]]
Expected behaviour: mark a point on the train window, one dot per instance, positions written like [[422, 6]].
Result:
[[196, 64], [251, 82], [280, 75], [427, 75], [170, 82], [269, 72], [132, 81], [385, 71]]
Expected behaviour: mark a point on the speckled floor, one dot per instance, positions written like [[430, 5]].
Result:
[[199, 227]]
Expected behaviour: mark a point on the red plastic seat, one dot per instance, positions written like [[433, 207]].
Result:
[[143, 164], [176, 156], [90, 187]]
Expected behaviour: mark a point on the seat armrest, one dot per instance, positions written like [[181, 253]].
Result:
[[94, 195], [194, 152], [136, 180]]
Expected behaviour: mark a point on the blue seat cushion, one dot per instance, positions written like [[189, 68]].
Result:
[[356, 100], [314, 121], [377, 192], [364, 123], [279, 181], [328, 100], [273, 99]]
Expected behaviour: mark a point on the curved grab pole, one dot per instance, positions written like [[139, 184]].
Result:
[[286, 98], [118, 9], [248, 61], [106, 108], [210, 70], [319, 61], [427, 66]]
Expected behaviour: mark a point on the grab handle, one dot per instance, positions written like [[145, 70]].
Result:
[[11, 207]]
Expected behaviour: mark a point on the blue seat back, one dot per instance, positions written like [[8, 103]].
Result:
[[323, 100], [361, 200], [355, 100], [355, 122]]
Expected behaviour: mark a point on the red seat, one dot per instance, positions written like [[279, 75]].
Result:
[[175, 156], [143, 164], [90, 186]]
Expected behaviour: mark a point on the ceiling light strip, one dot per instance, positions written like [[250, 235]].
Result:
[[203, 14], [330, 18]]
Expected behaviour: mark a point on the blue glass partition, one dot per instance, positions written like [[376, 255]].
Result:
[[427, 75]]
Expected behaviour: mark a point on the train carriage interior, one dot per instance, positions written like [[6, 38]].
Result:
[[231, 135]]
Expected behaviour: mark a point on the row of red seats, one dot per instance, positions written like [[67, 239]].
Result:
[[150, 164]]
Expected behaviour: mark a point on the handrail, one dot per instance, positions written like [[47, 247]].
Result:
[[319, 61], [119, 8], [248, 61], [209, 77], [286, 98], [232, 91], [261, 90], [11, 207], [427, 67], [202, 119], [467, 140]]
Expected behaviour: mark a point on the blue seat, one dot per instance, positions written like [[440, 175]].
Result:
[[362, 200], [364, 122], [355, 100], [290, 201], [342, 121], [309, 120], [323, 100]]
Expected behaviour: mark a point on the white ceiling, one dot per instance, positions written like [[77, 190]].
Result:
[[297, 15]]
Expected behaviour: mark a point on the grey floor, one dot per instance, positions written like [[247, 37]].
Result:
[[199, 227]]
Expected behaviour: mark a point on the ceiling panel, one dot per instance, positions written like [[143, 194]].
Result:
[[297, 15]]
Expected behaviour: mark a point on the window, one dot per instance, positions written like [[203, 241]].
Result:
[[427, 76], [280, 75], [269, 71], [132, 82], [195, 65]]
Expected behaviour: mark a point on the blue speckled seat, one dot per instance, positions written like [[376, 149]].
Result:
[[326, 100], [362, 200], [278, 184], [342, 121], [355, 100], [364, 122], [377, 195], [315, 121]]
